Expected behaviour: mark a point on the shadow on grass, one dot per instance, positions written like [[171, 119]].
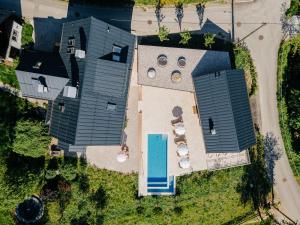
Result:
[[22, 170], [255, 185]]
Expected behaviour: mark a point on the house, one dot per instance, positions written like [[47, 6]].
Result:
[[86, 83], [188, 110], [10, 35]]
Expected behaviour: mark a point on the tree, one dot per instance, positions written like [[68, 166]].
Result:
[[31, 138], [163, 33], [295, 43], [209, 40], [185, 37], [294, 108]]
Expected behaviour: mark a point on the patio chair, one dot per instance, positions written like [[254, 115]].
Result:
[[177, 120], [180, 139]]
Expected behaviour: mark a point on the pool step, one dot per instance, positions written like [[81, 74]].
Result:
[[170, 188], [158, 185]]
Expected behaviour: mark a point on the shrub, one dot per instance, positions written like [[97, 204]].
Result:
[[244, 61], [68, 171], [209, 40], [8, 75], [140, 210], [185, 37], [100, 198], [31, 139], [27, 31], [50, 174], [163, 33], [84, 184], [157, 210]]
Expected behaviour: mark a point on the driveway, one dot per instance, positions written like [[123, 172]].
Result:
[[263, 44]]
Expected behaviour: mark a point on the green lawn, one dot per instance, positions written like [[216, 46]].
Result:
[[121, 3], [8, 74], [84, 195], [287, 79]]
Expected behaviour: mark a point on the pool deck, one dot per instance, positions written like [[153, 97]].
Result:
[[155, 109]]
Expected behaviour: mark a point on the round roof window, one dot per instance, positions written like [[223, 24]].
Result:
[[181, 61], [151, 73], [162, 60], [176, 76]]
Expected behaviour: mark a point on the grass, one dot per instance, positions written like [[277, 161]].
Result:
[[122, 3], [283, 64], [8, 74], [95, 196], [244, 61]]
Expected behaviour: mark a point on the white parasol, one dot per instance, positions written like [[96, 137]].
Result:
[[180, 129], [182, 150], [122, 157], [185, 163]]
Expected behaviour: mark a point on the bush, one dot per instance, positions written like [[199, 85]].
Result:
[[185, 37], [50, 174], [209, 40], [68, 171], [31, 138], [8, 75], [285, 71], [27, 31], [163, 33], [84, 184], [294, 8], [244, 61]]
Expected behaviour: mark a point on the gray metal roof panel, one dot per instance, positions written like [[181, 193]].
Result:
[[4, 14], [29, 87], [100, 81], [222, 97]]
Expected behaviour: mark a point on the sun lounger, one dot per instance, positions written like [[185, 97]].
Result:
[[177, 120], [180, 139]]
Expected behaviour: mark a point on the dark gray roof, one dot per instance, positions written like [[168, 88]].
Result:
[[51, 63], [50, 73], [4, 14], [86, 120], [224, 106]]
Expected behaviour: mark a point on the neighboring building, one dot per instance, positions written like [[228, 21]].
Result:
[[10, 35], [86, 83]]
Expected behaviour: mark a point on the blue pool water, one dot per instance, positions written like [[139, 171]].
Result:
[[157, 159]]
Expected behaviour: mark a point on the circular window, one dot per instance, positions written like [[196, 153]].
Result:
[[162, 60], [151, 73], [176, 76], [181, 61]]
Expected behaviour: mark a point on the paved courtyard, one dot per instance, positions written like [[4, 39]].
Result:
[[155, 107]]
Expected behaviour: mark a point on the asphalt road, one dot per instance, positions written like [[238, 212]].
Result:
[[263, 42]]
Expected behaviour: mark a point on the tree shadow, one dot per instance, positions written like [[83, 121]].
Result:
[[255, 185], [100, 198], [200, 12], [158, 13], [22, 170], [179, 13], [272, 153]]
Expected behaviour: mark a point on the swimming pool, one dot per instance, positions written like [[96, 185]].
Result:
[[157, 159]]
